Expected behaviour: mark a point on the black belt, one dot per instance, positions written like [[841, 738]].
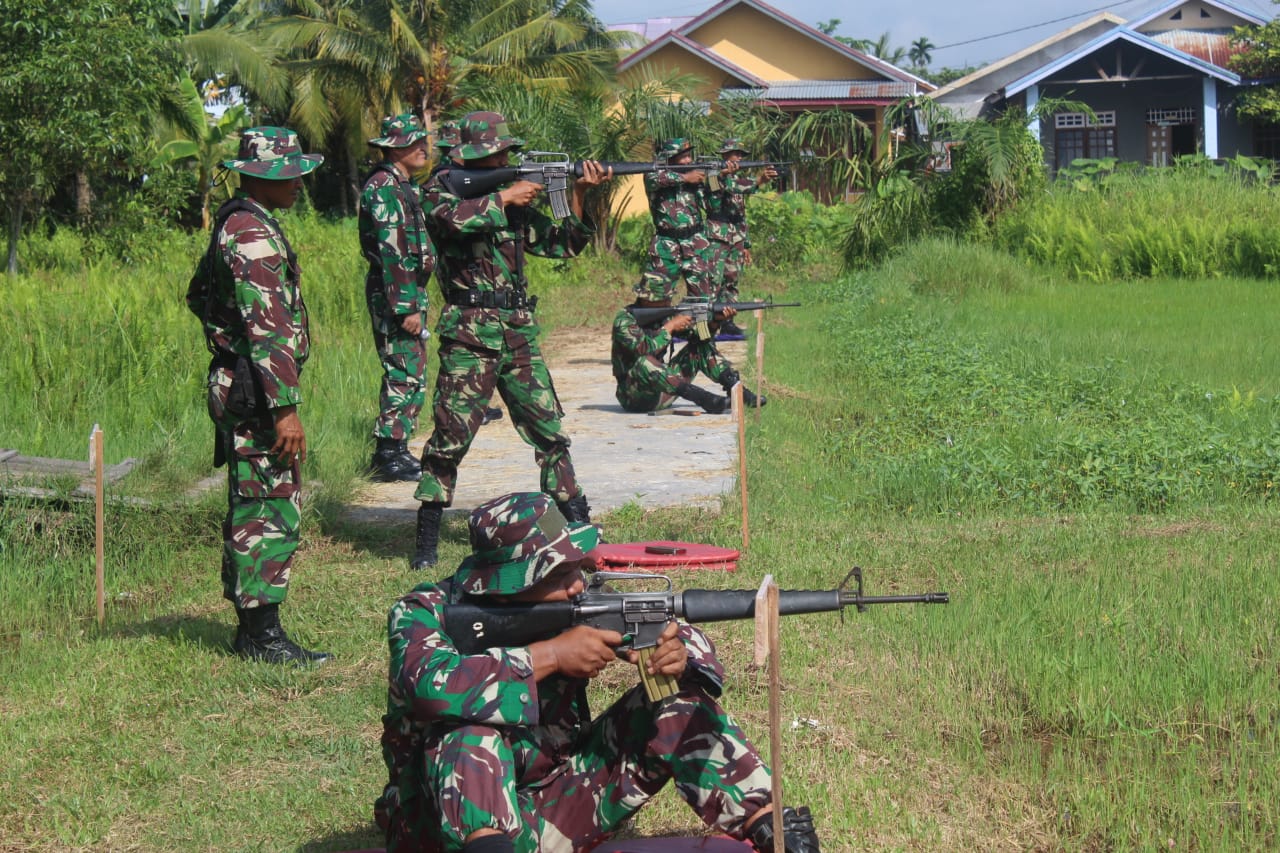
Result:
[[491, 299], [679, 233]]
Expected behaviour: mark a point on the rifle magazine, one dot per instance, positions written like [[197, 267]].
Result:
[[656, 687]]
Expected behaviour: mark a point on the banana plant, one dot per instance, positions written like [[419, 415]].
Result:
[[204, 139]]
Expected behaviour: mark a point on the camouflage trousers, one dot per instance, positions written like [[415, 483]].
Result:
[[671, 258], [727, 261], [262, 528], [465, 385], [479, 776], [404, 373], [651, 385]]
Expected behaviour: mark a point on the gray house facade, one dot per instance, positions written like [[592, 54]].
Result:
[[1158, 86]]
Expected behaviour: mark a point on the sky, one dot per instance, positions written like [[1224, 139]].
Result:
[[964, 32]]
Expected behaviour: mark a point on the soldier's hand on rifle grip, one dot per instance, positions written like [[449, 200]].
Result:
[[678, 323], [291, 441], [521, 193], [580, 652], [669, 657], [695, 177]]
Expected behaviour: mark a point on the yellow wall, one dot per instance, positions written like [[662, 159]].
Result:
[[773, 51]]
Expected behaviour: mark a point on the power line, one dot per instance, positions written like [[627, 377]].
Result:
[[1033, 26]]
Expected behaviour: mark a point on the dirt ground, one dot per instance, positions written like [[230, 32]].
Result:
[[659, 460]]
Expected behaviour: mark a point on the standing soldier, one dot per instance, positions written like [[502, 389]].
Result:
[[393, 239], [727, 224], [680, 246], [487, 330], [246, 293]]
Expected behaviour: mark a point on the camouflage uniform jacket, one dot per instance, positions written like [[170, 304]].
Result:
[[727, 211], [480, 248], [677, 207], [393, 238], [255, 306], [632, 342], [434, 688]]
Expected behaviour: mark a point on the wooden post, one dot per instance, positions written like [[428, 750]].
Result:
[[759, 361], [95, 461], [775, 706], [742, 459]]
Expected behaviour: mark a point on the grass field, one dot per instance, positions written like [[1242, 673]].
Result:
[[1084, 467]]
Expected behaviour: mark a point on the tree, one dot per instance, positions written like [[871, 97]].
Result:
[[78, 87], [920, 53], [1260, 63], [204, 139]]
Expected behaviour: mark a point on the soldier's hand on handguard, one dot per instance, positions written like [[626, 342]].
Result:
[[291, 441], [520, 194], [766, 176], [695, 177], [580, 652], [725, 313], [678, 323], [669, 657], [593, 174]]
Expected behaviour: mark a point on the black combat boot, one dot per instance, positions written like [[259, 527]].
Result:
[[731, 331], [393, 463], [749, 399], [491, 414], [427, 539], [711, 403], [260, 637], [575, 509], [798, 833]]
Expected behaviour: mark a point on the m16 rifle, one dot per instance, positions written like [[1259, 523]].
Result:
[[640, 617], [549, 168], [702, 309], [715, 167]]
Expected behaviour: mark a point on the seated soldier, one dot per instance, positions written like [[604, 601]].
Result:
[[498, 752], [647, 380]]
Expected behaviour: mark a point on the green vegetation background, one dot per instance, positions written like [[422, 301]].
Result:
[[1086, 463]]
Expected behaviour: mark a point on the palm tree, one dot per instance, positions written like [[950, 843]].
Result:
[[920, 53]]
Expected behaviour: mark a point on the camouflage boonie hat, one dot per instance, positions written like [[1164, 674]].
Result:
[[734, 145], [653, 289], [399, 131], [272, 153], [673, 148], [481, 134], [516, 540], [447, 135]]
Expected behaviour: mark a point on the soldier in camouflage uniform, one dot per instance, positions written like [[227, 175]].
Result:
[[487, 329], [727, 223], [498, 752], [393, 239], [246, 293], [447, 138], [677, 202], [650, 379]]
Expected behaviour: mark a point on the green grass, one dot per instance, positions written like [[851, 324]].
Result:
[[1104, 678]]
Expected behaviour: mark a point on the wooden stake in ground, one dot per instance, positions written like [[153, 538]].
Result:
[[759, 361], [95, 461], [769, 644], [742, 458]]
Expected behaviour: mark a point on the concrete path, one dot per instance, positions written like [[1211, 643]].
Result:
[[667, 459]]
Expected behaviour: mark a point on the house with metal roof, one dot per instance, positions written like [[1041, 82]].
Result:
[[1159, 87], [747, 48]]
